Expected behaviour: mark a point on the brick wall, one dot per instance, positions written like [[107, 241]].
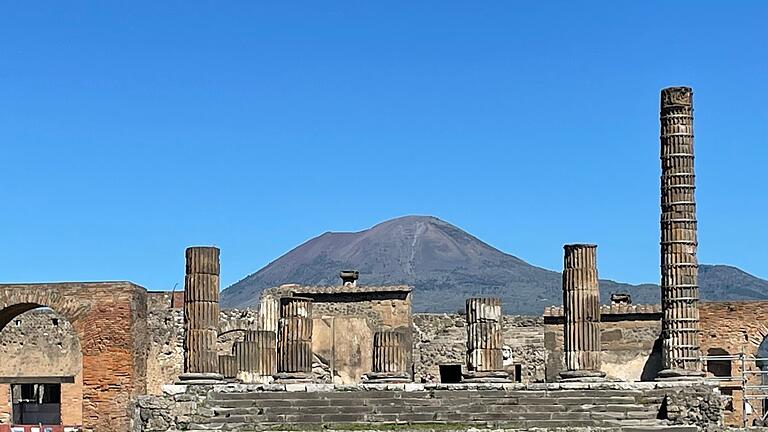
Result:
[[109, 319], [735, 327]]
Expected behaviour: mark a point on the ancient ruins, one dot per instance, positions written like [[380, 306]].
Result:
[[112, 356]]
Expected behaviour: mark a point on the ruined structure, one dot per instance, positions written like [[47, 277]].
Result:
[[344, 320], [679, 266], [256, 356], [390, 357], [484, 357], [581, 302], [201, 314], [295, 339], [109, 323]]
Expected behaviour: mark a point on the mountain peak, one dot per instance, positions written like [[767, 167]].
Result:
[[446, 264]]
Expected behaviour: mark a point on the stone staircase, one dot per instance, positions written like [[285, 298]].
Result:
[[614, 410]]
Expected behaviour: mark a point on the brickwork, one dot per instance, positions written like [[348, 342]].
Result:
[[734, 327], [42, 343], [109, 320]]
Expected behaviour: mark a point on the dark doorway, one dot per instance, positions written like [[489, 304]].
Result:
[[36, 404], [450, 373], [721, 367]]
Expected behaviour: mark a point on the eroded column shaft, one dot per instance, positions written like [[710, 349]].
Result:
[[295, 336], [679, 265], [581, 304], [269, 313], [256, 355], [201, 310], [484, 335], [390, 352], [228, 366]]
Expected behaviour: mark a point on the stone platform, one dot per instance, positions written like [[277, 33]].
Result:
[[627, 407]]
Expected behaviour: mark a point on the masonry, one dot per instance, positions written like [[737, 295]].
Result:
[[616, 406], [109, 320]]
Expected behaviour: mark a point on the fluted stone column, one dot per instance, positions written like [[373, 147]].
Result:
[[269, 313], [390, 357], [484, 341], [228, 366], [201, 314], [294, 341], [581, 306], [256, 356], [679, 265]]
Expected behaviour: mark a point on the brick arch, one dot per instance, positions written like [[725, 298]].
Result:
[[109, 319]]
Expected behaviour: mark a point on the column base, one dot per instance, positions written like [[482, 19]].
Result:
[[679, 375], [582, 376], [485, 377], [387, 377], [293, 377], [200, 378]]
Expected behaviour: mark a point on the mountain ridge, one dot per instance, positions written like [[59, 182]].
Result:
[[446, 264]]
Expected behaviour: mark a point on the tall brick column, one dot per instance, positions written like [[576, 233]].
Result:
[[256, 356], [581, 307], [390, 357], [679, 265], [484, 341], [201, 315], [294, 341]]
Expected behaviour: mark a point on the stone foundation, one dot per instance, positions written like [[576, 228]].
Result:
[[611, 406]]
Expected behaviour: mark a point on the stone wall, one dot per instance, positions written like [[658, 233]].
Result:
[[109, 319], [41, 343], [165, 327], [459, 406], [440, 339], [344, 319], [629, 338]]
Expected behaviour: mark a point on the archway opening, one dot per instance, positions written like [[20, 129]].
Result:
[[41, 372]]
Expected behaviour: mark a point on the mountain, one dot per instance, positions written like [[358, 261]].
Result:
[[446, 265]]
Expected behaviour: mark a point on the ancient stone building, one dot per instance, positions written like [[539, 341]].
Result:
[[109, 322]]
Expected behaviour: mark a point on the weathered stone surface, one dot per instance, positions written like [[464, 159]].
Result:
[[201, 310], [595, 406], [679, 265], [484, 335], [295, 336], [581, 303]]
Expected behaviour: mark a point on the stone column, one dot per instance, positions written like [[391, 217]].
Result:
[[390, 357], [269, 313], [201, 315], [294, 341], [484, 341], [228, 366], [679, 266], [581, 307], [256, 356]]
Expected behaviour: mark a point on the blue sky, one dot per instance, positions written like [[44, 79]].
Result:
[[130, 130]]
